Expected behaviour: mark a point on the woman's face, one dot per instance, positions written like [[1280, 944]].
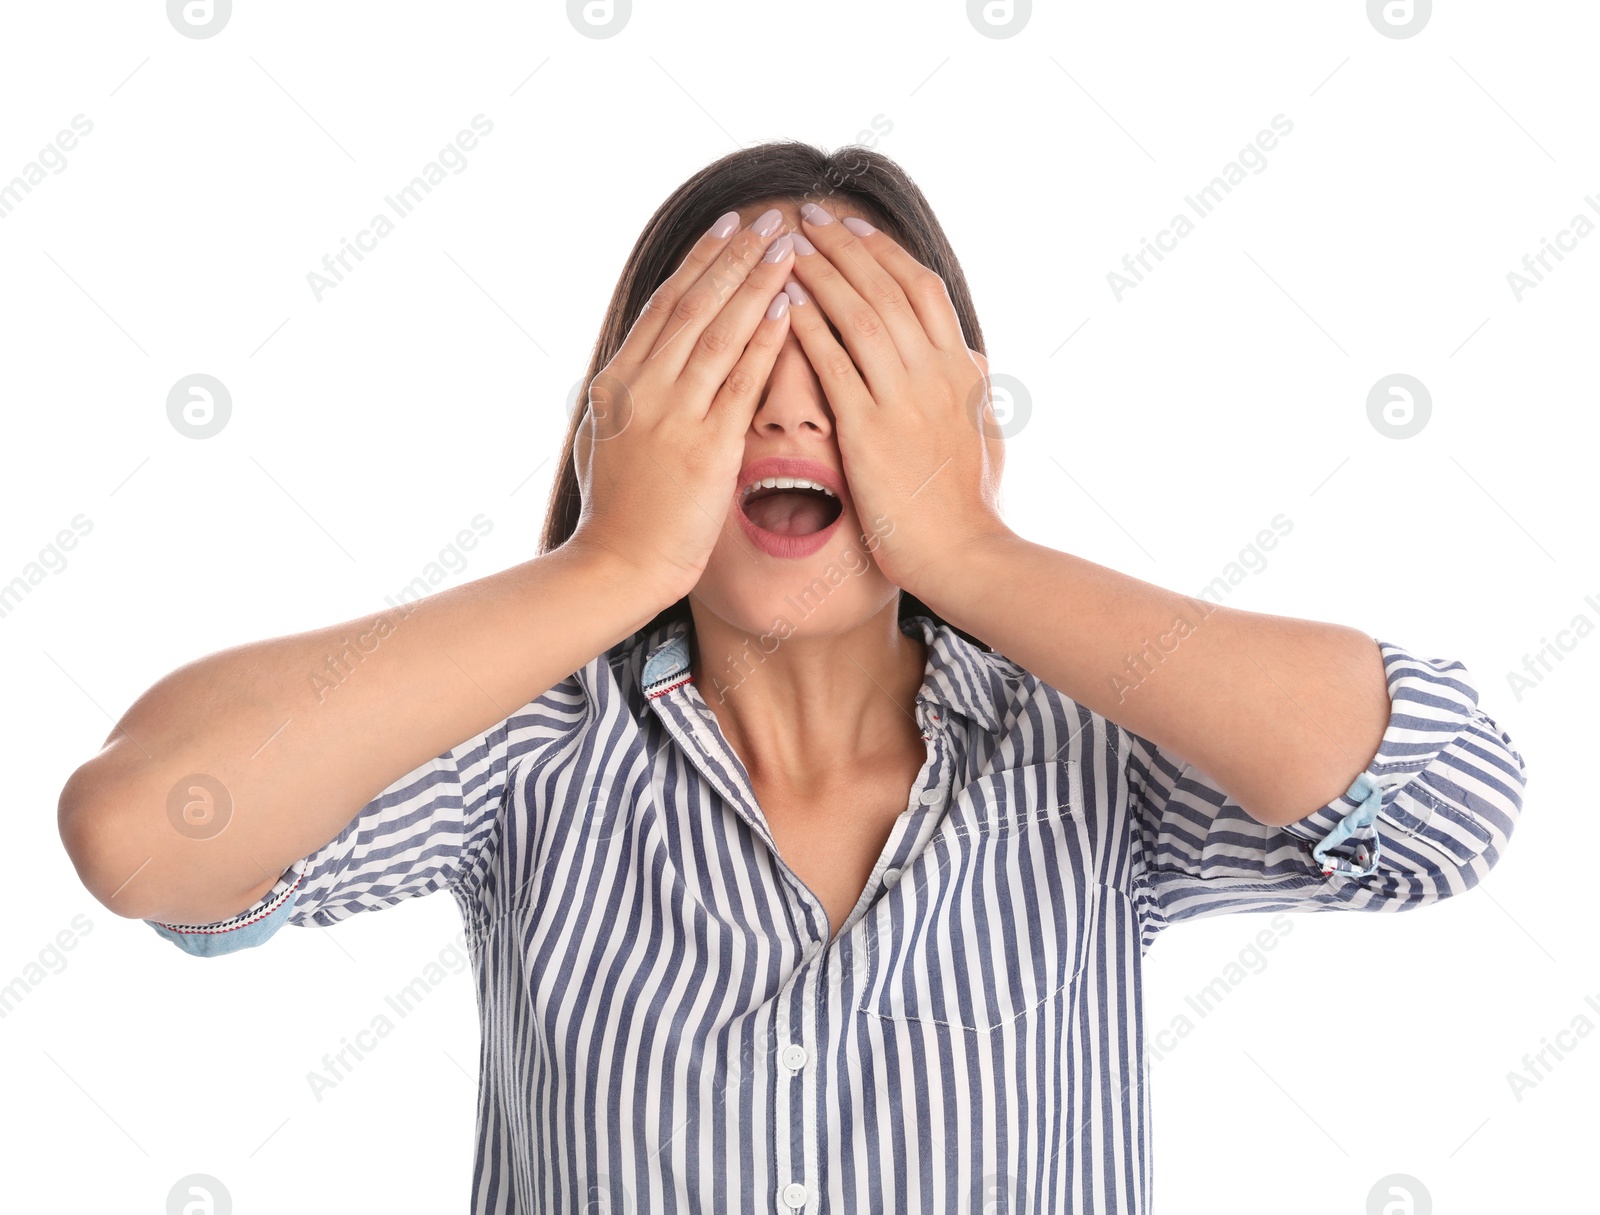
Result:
[[794, 562]]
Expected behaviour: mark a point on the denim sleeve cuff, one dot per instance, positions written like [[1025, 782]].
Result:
[[250, 927], [1432, 702], [1352, 845]]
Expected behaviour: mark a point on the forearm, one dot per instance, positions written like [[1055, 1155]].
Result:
[[1281, 713], [302, 731]]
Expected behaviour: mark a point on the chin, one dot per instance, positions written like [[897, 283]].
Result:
[[832, 590]]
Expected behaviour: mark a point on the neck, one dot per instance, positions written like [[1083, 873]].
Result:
[[800, 708]]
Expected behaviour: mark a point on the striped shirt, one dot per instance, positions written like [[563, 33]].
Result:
[[666, 1026]]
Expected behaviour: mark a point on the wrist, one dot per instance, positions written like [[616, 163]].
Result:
[[965, 574], [622, 577]]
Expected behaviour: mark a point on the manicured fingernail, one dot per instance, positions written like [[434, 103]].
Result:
[[815, 215], [795, 292], [779, 305], [859, 226], [767, 222], [780, 248], [801, 245], [726, 226]]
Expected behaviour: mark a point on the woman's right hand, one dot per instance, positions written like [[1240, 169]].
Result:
[[657, 468], [660, 446]]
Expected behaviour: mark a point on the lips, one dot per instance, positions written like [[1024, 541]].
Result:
[[776, 544]]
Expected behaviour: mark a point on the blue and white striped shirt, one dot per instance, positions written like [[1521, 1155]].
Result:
[[667, 1027]]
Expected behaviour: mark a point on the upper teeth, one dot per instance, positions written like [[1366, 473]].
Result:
[[787, 483]]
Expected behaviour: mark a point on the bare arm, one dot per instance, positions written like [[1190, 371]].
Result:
[[1282, 713], [295, 760], [303, 731]]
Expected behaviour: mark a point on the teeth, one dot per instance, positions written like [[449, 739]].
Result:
[[786, 483]]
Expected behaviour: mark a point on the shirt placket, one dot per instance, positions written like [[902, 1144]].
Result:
[[799, 1051], [794, 1036], [801, 1017], [927, 792], [798, 1047]]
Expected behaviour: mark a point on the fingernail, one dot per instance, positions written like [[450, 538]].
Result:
[[795, 292], [767, 222], [779, 305], [780, 249], [859, 226], [815, 215], [726, 226], [801, 245]]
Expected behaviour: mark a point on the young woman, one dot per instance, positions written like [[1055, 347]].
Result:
[[809, 825]]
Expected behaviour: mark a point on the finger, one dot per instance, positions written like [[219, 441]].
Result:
[[735, 402], [714, 354], [700, 306], [929, 296], [860, 327], [658, 309], [847, 393], [856, 263]]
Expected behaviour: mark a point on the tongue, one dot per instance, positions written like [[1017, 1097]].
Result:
[[789, 514]]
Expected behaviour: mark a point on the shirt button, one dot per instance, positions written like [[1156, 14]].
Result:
[[929, 796], [891, 876], [793, 1057], [794, 1195]]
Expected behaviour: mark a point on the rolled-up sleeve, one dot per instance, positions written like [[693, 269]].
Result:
[[1427, 818], [431, 829], [252, 926]]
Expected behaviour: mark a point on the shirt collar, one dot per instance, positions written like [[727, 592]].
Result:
[[958, 676]]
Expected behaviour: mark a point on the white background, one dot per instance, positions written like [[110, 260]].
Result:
[[1167, 430]]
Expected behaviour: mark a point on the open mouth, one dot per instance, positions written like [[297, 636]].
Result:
[[789, 516], [797, 510]]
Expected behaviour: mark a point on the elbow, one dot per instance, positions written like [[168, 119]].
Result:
[[117, 833], [95, 831]]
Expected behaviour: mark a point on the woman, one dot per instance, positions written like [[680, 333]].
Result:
[[784, 888]]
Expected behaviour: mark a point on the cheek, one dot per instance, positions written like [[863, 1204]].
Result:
[[853, 561]]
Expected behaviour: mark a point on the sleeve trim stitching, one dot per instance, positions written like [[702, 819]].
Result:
[[202, 930]]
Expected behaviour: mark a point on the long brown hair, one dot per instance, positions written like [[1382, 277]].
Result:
[[785, 169]]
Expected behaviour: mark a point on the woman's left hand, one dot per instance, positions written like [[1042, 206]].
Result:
[[920, 445]]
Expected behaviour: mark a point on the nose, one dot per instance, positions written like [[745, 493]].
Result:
[[793, 401]]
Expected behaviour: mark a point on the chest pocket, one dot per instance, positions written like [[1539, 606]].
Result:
[[987, 924]]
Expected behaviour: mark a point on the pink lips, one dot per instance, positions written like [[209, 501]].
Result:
[[771, 543]]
